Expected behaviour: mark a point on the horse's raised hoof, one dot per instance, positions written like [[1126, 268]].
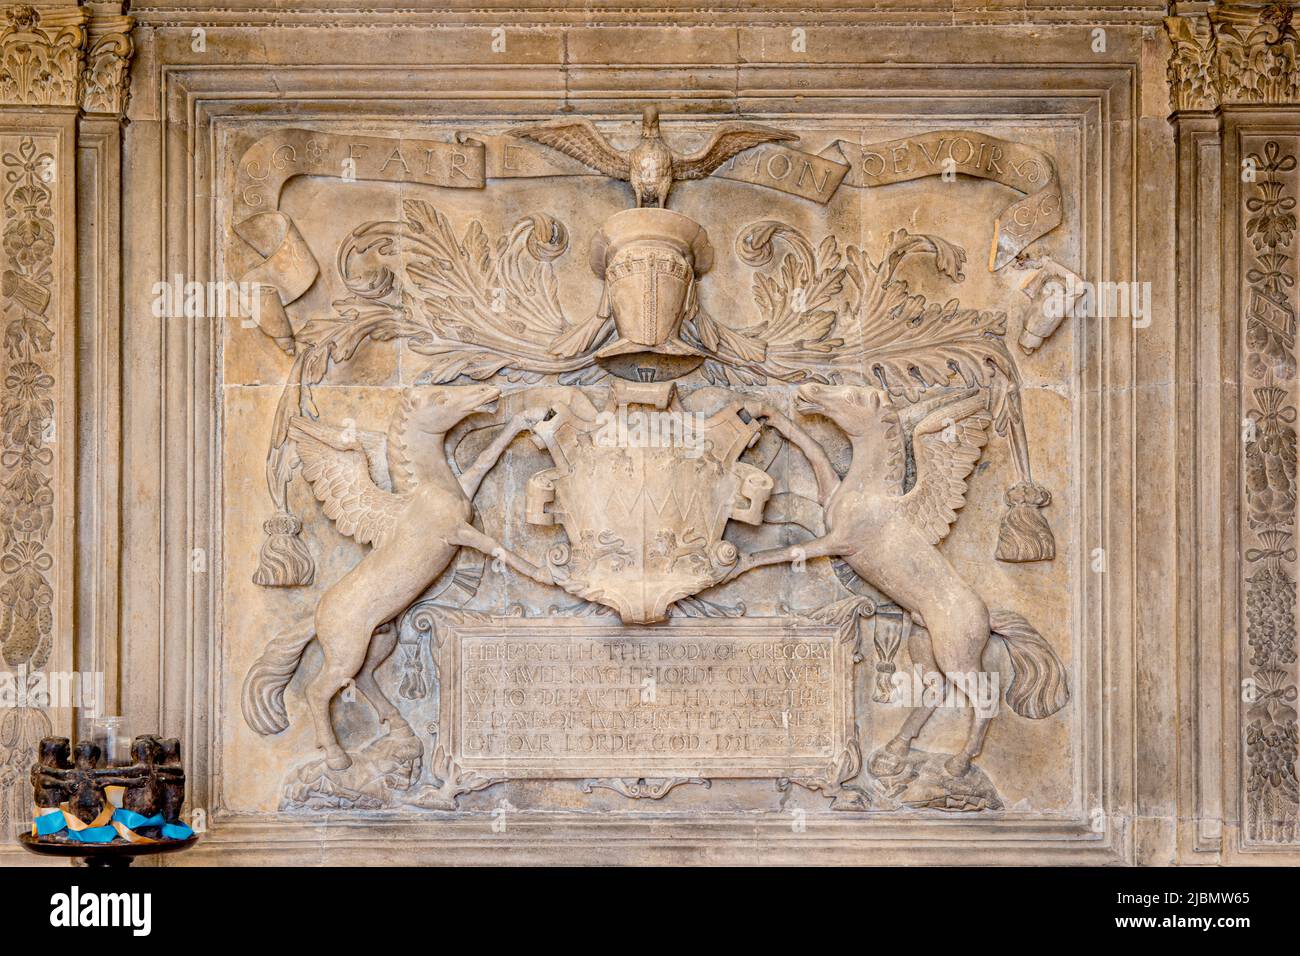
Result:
[[957, 766], [336, 758], [885, 763]]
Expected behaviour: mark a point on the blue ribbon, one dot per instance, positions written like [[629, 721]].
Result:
[[93, 835], [134, 821], [47, 824]]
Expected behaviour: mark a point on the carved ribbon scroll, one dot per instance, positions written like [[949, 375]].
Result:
[[287, 268], [1023, 168]]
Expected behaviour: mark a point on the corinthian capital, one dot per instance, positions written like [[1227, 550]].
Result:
[[1234, 54], [104, 83], [1191, 64], [63, 56], [1255, 54], [41, 55]]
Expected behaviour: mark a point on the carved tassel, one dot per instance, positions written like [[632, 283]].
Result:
[[888, 638], [1024, 534], [413, 685], [285, 561]]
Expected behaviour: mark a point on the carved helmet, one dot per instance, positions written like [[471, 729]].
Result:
[[649, 259]]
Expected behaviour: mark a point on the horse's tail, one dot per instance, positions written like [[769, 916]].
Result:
[[1038, 686], [263, 697]]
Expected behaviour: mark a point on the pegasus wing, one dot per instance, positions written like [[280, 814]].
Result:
[[339, 474], [727, 141], [581, 140], [374, 445], [946, 445]]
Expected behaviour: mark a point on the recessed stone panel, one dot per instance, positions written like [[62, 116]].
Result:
[[697, 699]]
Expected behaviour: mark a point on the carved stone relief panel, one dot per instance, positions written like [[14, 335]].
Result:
[[691, 465], [1271, 798], [35, 456]]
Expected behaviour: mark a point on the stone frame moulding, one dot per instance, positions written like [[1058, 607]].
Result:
[[1184, 656]]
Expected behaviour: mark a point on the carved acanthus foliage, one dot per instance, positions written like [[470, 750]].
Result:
[[1256, 55], [104, 81], [41, 56], [64, 58], [1191, 64], [1235, 55]]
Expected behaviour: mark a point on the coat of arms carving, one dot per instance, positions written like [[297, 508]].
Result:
[[658, 474]]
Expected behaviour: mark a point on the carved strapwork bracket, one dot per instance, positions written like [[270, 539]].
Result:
[[64, 57], [1235, 55]]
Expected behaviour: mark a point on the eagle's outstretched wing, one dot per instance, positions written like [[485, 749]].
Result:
[[728, 140], [339, 474], [946, 445], [581, 140]]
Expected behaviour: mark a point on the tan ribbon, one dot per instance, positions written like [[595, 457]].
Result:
[[76, 823]]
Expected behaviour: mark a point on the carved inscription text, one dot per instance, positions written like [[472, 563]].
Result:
[[589, 700]]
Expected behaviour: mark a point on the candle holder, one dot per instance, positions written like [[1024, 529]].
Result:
[[108, 811]]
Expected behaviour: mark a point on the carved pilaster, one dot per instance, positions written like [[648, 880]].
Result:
[[63, 81], [37, 265], [1235, 91]]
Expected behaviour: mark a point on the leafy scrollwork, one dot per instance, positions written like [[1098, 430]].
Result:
[[824, 312], [473, 306]]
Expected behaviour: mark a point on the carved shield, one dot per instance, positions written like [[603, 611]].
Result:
[[644, 515]]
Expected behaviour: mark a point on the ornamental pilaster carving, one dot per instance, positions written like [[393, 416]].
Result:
[[64, 57], [1234, 55], [104, 82]]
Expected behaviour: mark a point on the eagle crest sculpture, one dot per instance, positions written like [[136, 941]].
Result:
[[650, 166]]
